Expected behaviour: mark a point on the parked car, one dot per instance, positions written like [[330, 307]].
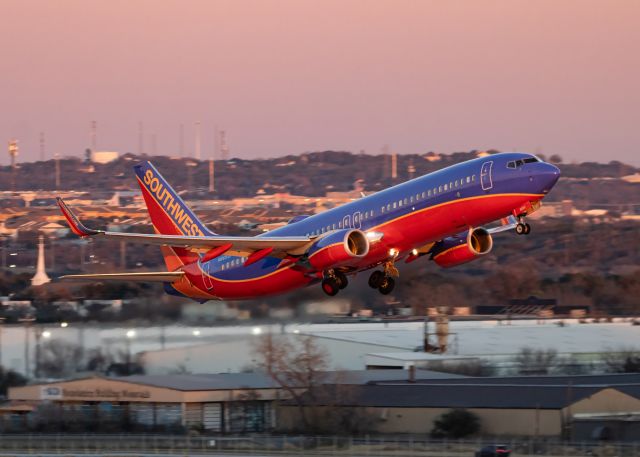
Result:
[[494, 450]]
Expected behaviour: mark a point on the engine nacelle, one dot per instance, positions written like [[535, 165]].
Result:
[[338, 248], [460, 249]]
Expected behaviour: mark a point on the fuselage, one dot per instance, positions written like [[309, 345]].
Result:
[[401, 219]]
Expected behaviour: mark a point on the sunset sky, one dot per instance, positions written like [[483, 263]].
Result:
[[286, 77]]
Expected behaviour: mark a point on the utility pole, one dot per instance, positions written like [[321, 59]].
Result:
[[140, 138], [212, 157], [198, 141], [181, 146], [42, 150], [57, 174], [224, 148], [153, 144], [93, 135]]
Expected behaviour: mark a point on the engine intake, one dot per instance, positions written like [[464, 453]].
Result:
[[460, 249], [338, 248]]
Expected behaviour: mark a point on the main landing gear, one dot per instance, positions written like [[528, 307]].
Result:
[[522, 228], [383, 281], [333, 282]]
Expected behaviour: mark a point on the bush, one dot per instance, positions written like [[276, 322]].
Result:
[[457, 423]]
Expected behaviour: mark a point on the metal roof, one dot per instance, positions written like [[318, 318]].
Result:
[[629, 380], [455, 396], [229, 381]]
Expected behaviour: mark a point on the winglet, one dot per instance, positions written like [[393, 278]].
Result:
[[75, 225]]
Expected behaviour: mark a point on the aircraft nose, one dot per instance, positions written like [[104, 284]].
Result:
[[548, 175]]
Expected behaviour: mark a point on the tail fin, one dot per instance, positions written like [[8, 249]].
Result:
[[169, 214]]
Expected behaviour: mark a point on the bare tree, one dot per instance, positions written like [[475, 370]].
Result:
[[625, 360], [531, 361], [298, 369], [59, 358]]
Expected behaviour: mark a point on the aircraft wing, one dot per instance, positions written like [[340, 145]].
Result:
[[163, 276], [294, 245]]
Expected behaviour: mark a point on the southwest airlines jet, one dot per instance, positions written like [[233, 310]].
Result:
[[440, 215]]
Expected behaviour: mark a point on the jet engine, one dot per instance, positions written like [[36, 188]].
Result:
[[338, 248], [462, 248]]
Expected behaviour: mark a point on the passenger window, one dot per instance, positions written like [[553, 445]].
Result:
[[406, 202], [389, 206], [468, 180], [334, 226], [473, 178], [411, 199], [445, 187], [429, 193], [450, 185], [394, 205]]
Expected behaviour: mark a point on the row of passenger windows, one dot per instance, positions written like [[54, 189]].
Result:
[[400, 203], [233, 263], [429, 193]]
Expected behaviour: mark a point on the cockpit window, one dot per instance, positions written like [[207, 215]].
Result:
[[520, 162]]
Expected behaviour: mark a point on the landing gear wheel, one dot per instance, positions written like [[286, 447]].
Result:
[[342, 280], [388, 283], [376, 279], [521, 228], [330, 286], [527, 229]]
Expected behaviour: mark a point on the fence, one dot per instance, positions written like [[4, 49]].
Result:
[[13, 444]]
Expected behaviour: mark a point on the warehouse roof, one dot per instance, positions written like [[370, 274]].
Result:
[[227, 381], [602, 380], [453, 396]]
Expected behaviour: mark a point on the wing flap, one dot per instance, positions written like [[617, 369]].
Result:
[[161, 276]]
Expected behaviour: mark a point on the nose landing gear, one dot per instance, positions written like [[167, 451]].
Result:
[[522, 228]]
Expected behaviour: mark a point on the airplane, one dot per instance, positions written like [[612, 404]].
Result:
[[440, 215]]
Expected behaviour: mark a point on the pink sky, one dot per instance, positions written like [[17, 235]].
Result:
[[285, 77]]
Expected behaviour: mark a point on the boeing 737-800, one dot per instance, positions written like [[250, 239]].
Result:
[[440, 215]]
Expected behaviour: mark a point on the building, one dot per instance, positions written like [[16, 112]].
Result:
[[533, 407], [209, 403], [215, 403], [104, 156]]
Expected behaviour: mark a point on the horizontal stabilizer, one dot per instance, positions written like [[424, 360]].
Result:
[[161, 276]]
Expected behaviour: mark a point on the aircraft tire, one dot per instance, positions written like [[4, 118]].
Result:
[[527, 229], [387, 285], [520, 229], [343, 282], [376, 279], [330, 286]]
